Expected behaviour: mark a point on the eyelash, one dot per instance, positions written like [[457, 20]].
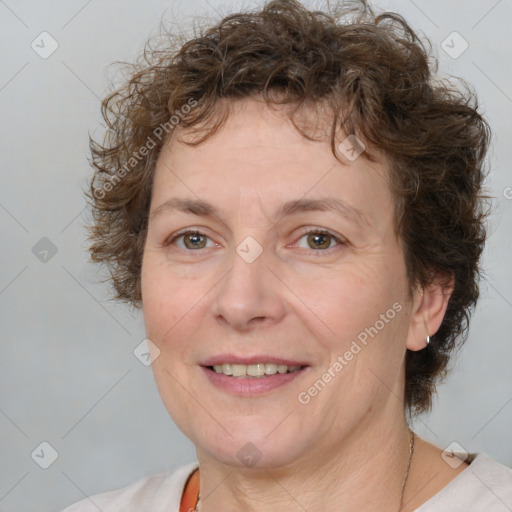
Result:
[[309, 231]]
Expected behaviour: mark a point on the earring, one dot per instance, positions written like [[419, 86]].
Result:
[[428, 341]]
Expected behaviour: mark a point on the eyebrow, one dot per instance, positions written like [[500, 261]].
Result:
[[204, 209]]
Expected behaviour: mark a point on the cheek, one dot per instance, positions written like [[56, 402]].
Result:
[[166, 307], [174, 308], [341, 305], [165, 299]]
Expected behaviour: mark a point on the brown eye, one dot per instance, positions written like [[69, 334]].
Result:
[[190, 240], [194, 241], [319, 240]]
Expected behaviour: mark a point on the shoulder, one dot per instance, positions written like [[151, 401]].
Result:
[[484, 486], [158, 493]]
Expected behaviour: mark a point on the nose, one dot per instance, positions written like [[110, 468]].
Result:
[[249, 295]]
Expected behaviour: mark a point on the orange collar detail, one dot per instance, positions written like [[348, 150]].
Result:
[[191, 493]]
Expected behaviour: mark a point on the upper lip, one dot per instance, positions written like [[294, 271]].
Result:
[[261, 358]]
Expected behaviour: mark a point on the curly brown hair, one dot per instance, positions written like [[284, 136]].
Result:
[[378, 79]]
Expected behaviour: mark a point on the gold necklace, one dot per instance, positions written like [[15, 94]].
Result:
[[412, 438]]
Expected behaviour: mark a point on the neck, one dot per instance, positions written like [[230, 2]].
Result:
[[363, 472]]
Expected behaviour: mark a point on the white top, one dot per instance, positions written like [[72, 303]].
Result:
[[484, 486]]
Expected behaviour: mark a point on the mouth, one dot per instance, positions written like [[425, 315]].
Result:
[[254, 371], [252, 376]]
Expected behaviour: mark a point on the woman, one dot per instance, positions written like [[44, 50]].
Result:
[[297, 207]]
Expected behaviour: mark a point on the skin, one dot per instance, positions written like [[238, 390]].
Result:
[[347, 448]]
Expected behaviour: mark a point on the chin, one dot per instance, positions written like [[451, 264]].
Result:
[[251, 446]]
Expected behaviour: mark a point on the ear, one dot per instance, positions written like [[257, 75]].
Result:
[[429, 308]]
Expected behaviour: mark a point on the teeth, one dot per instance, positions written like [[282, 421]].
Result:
[[238, 370], [254, 370], [270, 368], [226, 369]]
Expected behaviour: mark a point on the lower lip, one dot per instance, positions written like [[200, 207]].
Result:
[[250, 386]]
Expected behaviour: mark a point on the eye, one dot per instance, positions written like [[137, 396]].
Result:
[[319, 239], [191, 240]]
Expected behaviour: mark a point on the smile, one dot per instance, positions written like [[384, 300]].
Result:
[[253, 378], [257, 370]]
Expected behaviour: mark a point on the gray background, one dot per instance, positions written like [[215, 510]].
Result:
[[68, 373]]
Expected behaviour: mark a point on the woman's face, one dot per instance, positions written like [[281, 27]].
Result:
[[255, 290]]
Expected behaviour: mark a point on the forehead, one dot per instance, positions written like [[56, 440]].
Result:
[[259, 157]]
